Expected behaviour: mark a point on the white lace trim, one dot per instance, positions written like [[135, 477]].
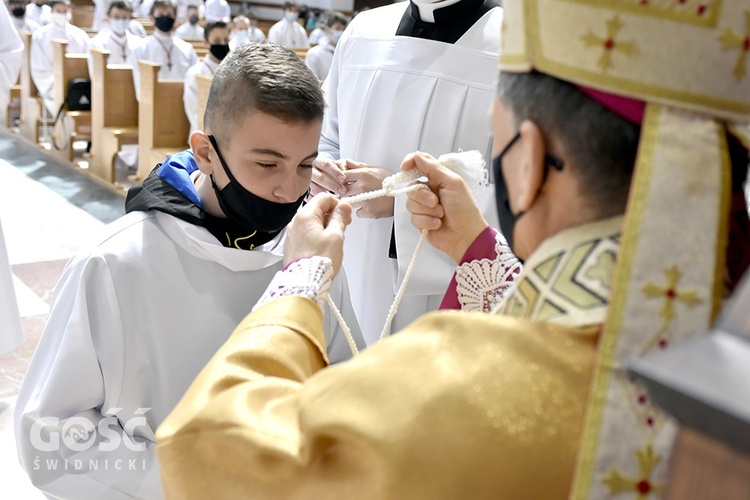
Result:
[[309, 277], [482, 284]]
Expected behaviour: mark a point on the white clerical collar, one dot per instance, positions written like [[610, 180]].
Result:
[[164, 36], [212, 65], [117, 36], [427, 9]]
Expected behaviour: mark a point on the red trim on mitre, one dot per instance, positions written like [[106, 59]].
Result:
[[630, 109]]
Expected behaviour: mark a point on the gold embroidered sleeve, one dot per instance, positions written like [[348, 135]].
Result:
[[458, 405]]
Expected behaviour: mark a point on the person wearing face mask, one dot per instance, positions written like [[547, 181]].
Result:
[[41, 55], [17, 10], [392, 66], [138, 313], [217, 42], [532, 401], [289, 32], [319, 35], [319, 58], [191, 30], [218, 10], [116, 38], [244, 31], [175, 55], [39, 12]]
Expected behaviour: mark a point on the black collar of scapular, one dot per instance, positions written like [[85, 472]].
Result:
[[451, 22]]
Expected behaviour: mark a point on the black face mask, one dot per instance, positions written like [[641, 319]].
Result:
[[194, 20], [504, 213], [18, 12], [249, 210], [219, 51], [164, 23]]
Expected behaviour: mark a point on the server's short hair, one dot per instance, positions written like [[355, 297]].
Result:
[[210, 26], [120, 4], [170, 4], [266, 77]]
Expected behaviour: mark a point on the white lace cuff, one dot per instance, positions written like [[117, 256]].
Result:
[[482, 284], [309, 277]]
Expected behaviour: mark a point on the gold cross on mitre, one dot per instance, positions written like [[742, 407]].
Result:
[[609, 44], [641, 485], [731, 40], [670, 294]]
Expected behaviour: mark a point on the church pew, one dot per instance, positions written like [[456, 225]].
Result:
[[204, 84], [67, 68], [162, 125], [114, 113], [301, 53], [14, 104], [32, 107]]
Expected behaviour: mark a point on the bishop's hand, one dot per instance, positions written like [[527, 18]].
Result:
[[447, 210], [318, 229]]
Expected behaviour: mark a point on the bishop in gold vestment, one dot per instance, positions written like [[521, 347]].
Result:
[[529, 402]]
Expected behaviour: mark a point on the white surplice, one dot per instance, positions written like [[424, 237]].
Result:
[[389, 96], [11, 51], [319, 59], [288, 33], [158, 47], [190, 93], [218, 10], [43, 61], [133, 321], [39, 14], [120, 46], [187, 31]]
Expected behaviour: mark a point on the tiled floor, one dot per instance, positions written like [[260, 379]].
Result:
[[48, 211]]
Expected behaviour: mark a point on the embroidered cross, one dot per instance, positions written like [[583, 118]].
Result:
[[609, 44], [642, 485], [670, 295], [731, 40]]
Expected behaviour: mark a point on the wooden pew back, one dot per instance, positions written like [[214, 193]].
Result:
[[31, 104], [204, 85], [114, 113], [162, 125], [67, 68]]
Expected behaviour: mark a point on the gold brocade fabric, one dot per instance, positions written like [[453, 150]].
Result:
[[457, 405], [568, 278]]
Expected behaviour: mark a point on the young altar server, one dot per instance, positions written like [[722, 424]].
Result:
[[41, 56], [320, 57], [218, 10], [115, 37], [243, 31], [288, 32], [21, 21], [39, 12], [175, 55], [138, 314], [190, 29], [217, 41]]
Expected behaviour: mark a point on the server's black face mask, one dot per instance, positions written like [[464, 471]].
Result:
[[247, 209]]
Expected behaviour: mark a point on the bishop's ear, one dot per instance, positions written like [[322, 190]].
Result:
[[201, 146], [532, 166]]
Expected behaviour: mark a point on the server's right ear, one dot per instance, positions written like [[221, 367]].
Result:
[[203, 152]]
